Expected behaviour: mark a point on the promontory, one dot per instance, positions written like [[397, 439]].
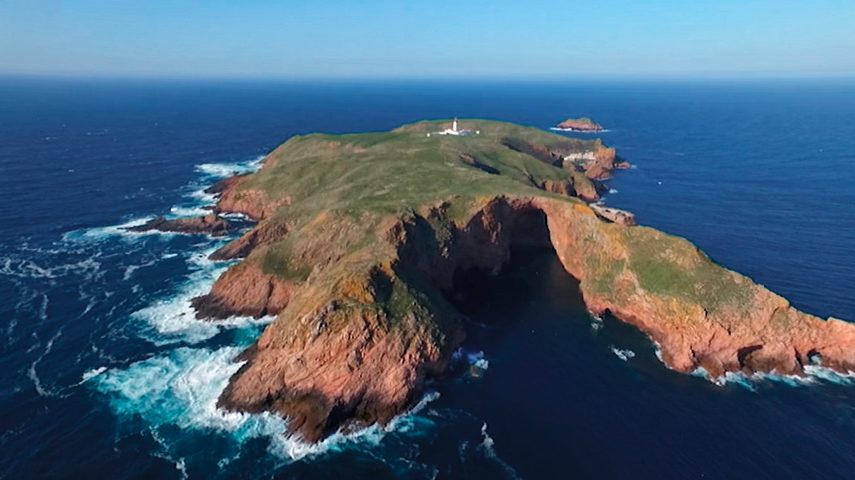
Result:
[[358, 238]]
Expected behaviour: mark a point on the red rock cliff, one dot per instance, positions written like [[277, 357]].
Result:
[[355, 342]]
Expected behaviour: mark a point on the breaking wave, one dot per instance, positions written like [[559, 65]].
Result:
[[623, 354], [181, 389], [814, 374], [172, 319], [224, 170], [118, 230]]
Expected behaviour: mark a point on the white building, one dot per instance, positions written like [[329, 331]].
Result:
[[456, 130]]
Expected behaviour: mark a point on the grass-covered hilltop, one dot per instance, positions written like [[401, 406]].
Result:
[[359, 236]]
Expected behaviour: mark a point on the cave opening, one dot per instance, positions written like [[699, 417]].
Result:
[[532, 271]]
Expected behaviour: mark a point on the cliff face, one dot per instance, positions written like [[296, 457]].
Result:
[[244, 290], [357, 277], [700, 314], [253, 203]]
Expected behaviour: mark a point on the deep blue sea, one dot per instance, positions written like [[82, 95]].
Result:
[[107, 374]]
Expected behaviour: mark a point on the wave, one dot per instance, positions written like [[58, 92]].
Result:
[[200, 200], [118, 230], [181, 389], [92, 373], [224, 170], [623, 354], [813, 374], [173, 319], [189, 211], [130, 269], [596, 322], [294, 449]]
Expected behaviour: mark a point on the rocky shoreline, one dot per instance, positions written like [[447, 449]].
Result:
[[209, 224], [362, 321]]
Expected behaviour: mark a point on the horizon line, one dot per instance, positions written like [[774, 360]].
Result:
[[616, 78]]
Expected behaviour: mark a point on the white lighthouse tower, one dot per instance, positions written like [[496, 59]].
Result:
[[455, 130]]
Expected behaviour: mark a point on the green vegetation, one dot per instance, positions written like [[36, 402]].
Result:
[[343, 187], [366, 177], [389, 172], [672, 266]]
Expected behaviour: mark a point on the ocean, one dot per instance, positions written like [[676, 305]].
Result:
[[108, 374]]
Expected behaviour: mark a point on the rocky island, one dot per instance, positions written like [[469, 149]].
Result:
[[358, 238], [583, 124]]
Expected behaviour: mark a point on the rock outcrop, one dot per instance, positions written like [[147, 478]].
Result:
[[244, 290], [580, 125], [209, 224], [253, 203], [614, 215]]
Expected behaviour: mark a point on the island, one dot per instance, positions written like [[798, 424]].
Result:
[[358, 238], [583, 124]]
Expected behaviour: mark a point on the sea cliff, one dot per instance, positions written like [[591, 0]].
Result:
[[359, 236]]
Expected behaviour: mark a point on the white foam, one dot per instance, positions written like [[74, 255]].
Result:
[[294, 449], [173, 318], [235, 215], [130, 269], [193, 209], [90, 374], [488, 447], [118, 230], [596, 322], [482, 364], [26, 268], [224, 170], [813, 374], [33, 374], [189, 211], [623, 354], [182, 389], [613, 191]]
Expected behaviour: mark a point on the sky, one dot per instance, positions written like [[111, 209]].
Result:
[[422, 39]]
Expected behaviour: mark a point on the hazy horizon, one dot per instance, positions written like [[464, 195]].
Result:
[[546, 39]]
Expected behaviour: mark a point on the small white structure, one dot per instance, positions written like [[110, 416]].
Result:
[[456, 130]]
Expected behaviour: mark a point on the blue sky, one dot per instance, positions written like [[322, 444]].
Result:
[[373, 38]]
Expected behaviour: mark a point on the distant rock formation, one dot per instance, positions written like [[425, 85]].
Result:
[[583, 124]]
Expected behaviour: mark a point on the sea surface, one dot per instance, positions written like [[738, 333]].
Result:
[[107, 374]]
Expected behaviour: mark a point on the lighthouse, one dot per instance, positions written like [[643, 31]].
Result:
[[455, 130]]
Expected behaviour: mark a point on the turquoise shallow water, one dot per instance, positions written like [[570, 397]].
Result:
[[107, 373]]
